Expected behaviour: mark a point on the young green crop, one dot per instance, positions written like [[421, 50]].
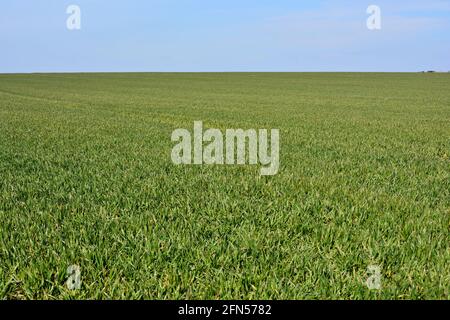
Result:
[[86, 179]]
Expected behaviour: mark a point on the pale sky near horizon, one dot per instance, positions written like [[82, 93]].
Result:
[[231, 35]]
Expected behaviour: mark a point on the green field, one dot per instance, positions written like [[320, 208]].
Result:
[[86, 178]]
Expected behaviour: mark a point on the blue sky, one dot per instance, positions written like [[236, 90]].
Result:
[[226, 35]]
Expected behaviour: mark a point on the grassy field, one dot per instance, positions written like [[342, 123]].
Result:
[[86, 178]]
